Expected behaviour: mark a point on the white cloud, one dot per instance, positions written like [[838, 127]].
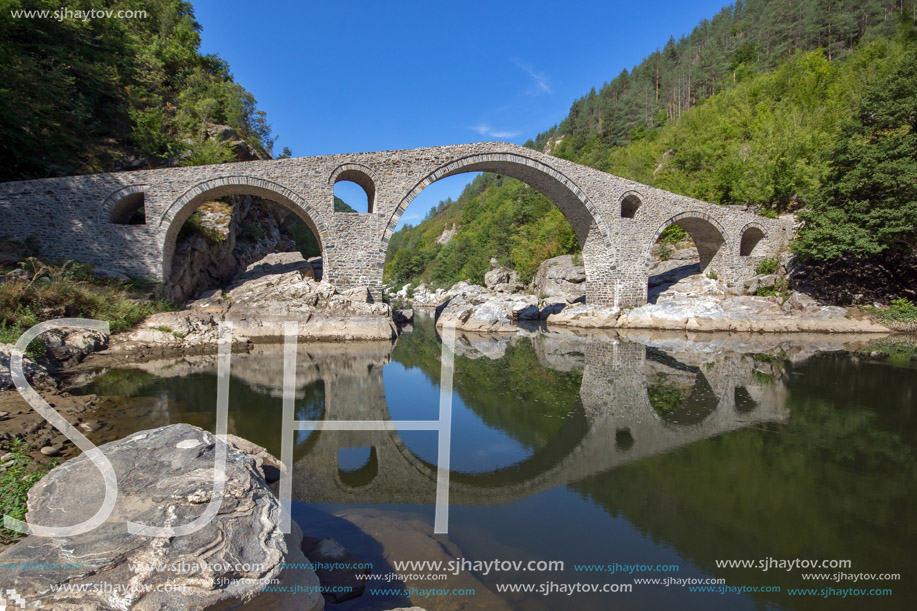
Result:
[[488, 132], [541, 80]]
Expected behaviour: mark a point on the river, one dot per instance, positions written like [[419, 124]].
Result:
[[628, 459]]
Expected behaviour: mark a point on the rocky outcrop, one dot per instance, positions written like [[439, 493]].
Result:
[[279, 288], [165, 477], [720, 313], [562, 277], [228, 237], [694, 303]]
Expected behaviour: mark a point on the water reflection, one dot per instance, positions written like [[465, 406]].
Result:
[[750, 447]]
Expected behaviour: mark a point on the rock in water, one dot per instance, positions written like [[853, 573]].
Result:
[[165, 477], [324, 555]]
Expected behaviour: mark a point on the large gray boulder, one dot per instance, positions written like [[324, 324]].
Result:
[[560, 277], [165, 477]]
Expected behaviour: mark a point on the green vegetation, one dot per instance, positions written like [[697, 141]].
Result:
[[767, 266], [901, 314], [18, 475], [68, 289], [868, 204], [104, 94], [665, 396], [495, 217], [753, 108]]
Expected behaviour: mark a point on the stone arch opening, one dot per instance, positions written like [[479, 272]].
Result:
[[587, 225], [751, 242], [678, 394], [357, 467], [354, 185], [211, 191], [630, 203], [744, 402], [685, 245], [127, 206]]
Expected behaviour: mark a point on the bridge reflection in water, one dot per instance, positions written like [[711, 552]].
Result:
[[636, 397], [634, 401]]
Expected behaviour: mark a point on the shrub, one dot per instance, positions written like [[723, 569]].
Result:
[[767, 266]]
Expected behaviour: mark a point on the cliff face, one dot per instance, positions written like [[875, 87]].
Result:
[[221, 239]]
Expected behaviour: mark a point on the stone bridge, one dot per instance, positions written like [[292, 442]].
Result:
[[93, 218], [614, 423]]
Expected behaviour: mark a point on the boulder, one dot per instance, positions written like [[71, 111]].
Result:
[[327, 556], [761, 281], [499, 275], [560, 277], [165, 477]]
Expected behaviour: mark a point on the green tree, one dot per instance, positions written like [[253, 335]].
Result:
[[868, 204]]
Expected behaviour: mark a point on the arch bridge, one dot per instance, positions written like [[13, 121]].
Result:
[[129, 221]]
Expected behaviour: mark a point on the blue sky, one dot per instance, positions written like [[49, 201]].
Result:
[[365, 76]]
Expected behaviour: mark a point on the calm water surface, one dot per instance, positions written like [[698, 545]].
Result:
[[591, 450]]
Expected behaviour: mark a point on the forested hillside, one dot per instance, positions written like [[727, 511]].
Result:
[[103, 94], [750, 108]]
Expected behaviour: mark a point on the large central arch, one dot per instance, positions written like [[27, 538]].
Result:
[[178, 212], [579, 211]]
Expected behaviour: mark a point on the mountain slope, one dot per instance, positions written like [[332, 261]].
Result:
[[759, 114], [95, 95]]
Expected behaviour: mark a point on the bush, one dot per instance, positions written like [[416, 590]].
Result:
[[70, 291], [767, 266]]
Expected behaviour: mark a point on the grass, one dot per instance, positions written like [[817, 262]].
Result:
[[69, 289], [16, 480], [897, 351], [901, 315]]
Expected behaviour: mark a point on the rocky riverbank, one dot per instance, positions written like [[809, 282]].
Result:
[[277, 289], [680, 299]]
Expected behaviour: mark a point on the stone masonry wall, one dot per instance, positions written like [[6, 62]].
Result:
[[72, 217]]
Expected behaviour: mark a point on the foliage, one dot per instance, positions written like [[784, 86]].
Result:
[[16, 479], [767, 266], [87, 96], [741, 41], [665, 396], [868, 204], [901, 311], [68, 290], [744, 110]]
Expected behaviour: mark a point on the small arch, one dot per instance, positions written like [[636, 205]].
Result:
[[630, 203], [126, 206], [752, 236], [743, 400], [708, 235], [624, 440], [360, 175], [367, 466]]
